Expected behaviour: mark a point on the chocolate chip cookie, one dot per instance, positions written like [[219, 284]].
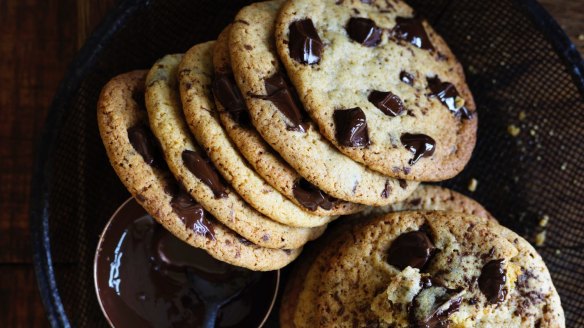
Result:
[[191, 166], [265, 161], [134, 154], [282, 122], [297, 308], [381, 85], [435, 269]]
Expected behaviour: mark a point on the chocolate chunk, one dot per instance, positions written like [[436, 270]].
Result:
[[203, 169], [387, 102], [227, 93], [286, 100], [305, 45], [192, 214], [386, 190], [146, 145], [406, 78], [412, 30], [432, 307], [412, 249], [351, 127], [403, 183], [419, 144], [364, 31], [492, 281], [311, 197], [447, 94]]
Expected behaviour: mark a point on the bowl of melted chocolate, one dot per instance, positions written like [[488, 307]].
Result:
[[146, 277]]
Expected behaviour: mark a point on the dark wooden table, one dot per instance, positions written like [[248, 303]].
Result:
[[37, 41]]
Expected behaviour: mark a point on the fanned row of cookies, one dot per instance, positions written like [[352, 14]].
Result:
[[303, 111]]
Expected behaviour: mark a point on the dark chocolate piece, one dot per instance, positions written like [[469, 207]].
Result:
[[286, 100], [492, 281], [403, 183], [192, 214], [203, 169], [406, 78], [419, 144], [227, 93], [412, 30], [146, 145], [305, 45], [446, 92], [387, 102], [145, 275], [311, 197], [412, 248], [386, 190], [351, 127], [436, 315], [364, 31]]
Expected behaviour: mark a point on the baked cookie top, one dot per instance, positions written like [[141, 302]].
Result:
[[263, 158], [300, 295], [191, 166], [205, 125], [381, 85], [282, 122], [435, 269], [135, 157]]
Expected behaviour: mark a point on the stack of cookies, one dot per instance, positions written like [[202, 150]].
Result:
[[303, 111]]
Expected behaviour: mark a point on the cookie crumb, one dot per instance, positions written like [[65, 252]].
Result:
[[472, 185], [540, 238], [522, 115], [558, 252], [513, 130], [544, 221], [581, 37], [564, 166]]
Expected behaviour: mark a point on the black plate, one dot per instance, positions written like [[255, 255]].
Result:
[[517, 59]]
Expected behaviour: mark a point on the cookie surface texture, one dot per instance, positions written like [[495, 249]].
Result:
[[434, 269], [282, 122], [130, 146], [264, 160], [380, 84], [190, 165]]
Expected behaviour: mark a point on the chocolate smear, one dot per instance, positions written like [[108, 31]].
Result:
[[311, 197], [305, 45], [203, 169], [192, 214], [389, 103], [492, 281], [146, 145], [227, 93], [419, 144], [364, 31], [351, 127]]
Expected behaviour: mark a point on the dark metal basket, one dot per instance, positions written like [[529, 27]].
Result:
[[518, 63]]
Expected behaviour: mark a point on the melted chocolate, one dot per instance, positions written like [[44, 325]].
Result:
[[203, 169], [412, 249], [351, 127], [419, 144], [364, 31], [412, 30], [146, 145], [447, 94], [305, 45], [228, 94], [387, 102], [144, 278], [311, 197], [406, 78], [192, 214], [446, 302], [492, 281], [284, 97]]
